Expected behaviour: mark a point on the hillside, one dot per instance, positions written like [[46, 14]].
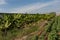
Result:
[[29, 26]]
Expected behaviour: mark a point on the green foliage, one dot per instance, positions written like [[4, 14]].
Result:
[[53, 34], [32, 37], [14, 24], [20, 19]]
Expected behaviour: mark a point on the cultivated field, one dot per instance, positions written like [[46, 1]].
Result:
[[30, 26]]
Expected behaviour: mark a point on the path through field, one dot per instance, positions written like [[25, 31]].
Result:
[[41, 27]]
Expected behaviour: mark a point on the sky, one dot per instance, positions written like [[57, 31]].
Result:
[[29, 6]]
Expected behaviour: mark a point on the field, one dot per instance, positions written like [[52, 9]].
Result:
[[29, 26]]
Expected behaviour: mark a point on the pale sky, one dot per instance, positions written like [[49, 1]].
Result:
[[29, 6]]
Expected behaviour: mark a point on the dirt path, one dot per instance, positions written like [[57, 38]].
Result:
[[36, 32]]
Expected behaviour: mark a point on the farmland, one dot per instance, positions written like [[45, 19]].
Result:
[[29, 26]]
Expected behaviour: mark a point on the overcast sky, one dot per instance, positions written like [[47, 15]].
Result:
[[29, 6]]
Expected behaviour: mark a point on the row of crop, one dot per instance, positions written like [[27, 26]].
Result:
[[47, 30], [53, 34], [58, 28]]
